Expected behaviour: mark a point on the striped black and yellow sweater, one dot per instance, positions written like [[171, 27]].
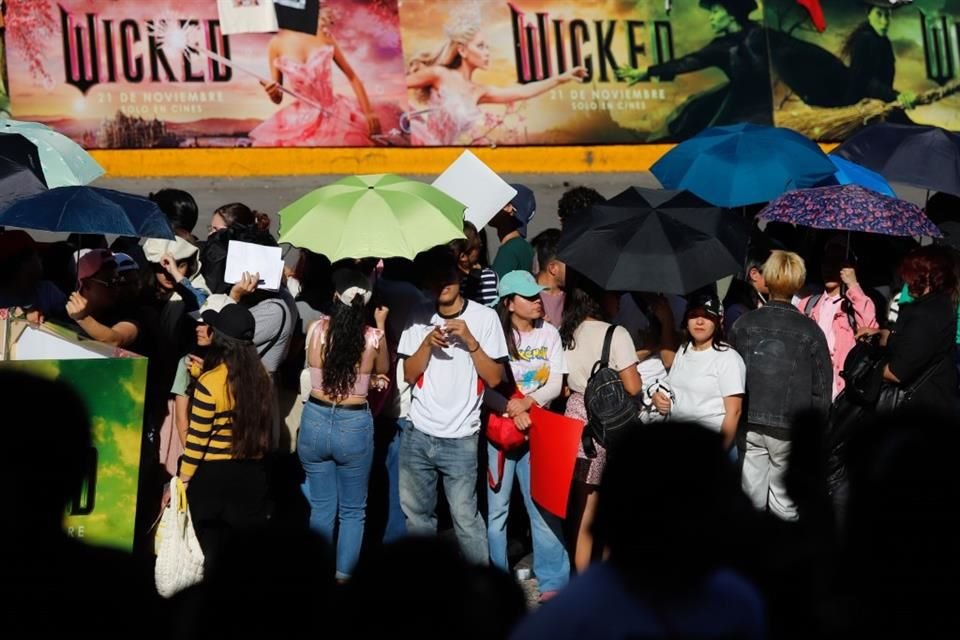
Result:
[[210, 435]]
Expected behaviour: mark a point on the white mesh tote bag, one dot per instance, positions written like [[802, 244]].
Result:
[[179, 556]]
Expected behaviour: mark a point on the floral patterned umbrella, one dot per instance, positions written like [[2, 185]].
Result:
[[850, 207]]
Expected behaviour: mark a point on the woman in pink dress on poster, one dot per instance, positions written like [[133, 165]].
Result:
[[451, 96], [322, 118]]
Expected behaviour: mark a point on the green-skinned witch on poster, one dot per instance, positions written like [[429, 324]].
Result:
[[739, 49]]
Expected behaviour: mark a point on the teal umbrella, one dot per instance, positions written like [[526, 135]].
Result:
[[63, 161], [372, 216]]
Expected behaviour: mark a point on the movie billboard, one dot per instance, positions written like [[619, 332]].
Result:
[[865, 61], [122, 74], [564, 72], [103, 512]]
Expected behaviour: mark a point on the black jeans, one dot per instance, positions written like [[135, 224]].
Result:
[[226, 496]]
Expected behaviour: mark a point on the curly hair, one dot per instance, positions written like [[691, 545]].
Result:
[[251, 390], [577, 200], [583, 301], [344, 347], [931, 267]]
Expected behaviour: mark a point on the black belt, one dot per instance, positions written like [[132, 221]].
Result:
[[346, 407]]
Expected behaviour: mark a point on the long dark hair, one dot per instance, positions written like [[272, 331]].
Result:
[[344, 346], [509, 331], [250, 389], [851, 42], [583, 300]]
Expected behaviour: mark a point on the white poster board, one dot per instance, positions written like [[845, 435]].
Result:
[[477, 186]]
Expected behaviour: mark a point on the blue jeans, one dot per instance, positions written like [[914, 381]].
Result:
[[551, 564], [396, 522], [423, 460], [335, 447]]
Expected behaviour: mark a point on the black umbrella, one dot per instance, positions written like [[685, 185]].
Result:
[[20, 171], [659, 241], [725, 225], [17, 181], [19, 150], [951, 234], [926, 157]]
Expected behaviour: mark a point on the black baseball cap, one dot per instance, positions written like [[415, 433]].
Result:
[[233, 321], [708, 304]]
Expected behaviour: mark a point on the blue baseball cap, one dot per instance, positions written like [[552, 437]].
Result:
[[525, 204], [520, 283]]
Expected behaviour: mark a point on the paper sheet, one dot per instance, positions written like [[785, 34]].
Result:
[[254, 258], [477, 186]]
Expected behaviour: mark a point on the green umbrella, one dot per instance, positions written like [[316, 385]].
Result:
[[372, 216]]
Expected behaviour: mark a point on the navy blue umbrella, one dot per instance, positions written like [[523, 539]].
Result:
[[926, 157], [743, 164], [88, 210]]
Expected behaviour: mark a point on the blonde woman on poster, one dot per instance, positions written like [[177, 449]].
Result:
[[451, 96], [304, 63]]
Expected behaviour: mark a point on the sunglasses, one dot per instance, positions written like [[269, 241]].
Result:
[[105, 283]]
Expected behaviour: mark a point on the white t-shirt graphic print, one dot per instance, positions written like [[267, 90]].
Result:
[[446, 398]]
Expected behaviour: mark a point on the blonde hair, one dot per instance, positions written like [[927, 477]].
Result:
[[462, 27], [785, 273]]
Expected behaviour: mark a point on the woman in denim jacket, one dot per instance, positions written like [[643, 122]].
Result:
[[788, 371]]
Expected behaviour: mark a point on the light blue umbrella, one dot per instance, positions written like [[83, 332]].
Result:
[[853, 173], [63, 161]]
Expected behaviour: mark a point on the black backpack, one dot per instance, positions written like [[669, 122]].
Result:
[[863, 372], [610, 409]]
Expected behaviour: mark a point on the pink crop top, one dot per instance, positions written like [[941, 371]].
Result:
[[317, 336]]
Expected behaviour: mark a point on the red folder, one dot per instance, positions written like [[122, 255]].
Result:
[[554, 440]]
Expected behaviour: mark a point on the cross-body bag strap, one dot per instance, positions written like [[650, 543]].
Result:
[[912, 388]]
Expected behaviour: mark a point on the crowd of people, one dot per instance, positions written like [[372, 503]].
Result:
[[316, 427]]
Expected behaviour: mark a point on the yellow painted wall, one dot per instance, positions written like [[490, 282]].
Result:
[[247, 162]]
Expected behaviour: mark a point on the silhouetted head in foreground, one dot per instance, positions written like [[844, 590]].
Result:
[[669, 520], [48, 438], [902, 545], [422, 587]]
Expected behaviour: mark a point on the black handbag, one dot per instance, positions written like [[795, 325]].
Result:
[[894, 396]]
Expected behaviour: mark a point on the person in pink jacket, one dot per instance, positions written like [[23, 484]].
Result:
[[841, 310]]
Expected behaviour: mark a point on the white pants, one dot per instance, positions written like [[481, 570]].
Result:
[[764, 466]]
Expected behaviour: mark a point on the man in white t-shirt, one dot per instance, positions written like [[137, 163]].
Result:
[[451, 350]]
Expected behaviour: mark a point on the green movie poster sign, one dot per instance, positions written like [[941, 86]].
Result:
[[113, 390]]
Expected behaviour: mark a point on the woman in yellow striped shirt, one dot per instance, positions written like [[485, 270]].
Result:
[[229, 432]]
